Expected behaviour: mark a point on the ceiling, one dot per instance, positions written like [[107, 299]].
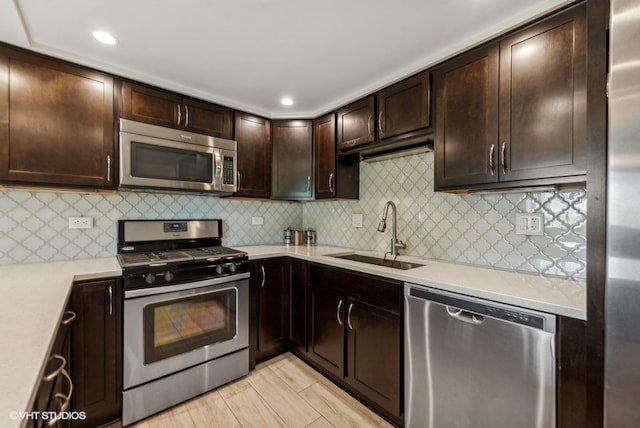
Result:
[[248, 54]]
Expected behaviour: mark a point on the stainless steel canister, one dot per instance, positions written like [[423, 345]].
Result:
[[310, 236], [297, 237], [287, 235]]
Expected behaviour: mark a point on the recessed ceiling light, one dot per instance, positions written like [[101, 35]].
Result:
[[104, 37], [287, 101]]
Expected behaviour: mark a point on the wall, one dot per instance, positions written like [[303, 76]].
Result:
[[474, 229], [34, 225]]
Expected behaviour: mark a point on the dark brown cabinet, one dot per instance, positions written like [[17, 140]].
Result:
[[335, 177], [356, 125], [157, 107], [512, 114], [253, 135], [56, 122], [298, 305], [403, 107], [269, 306], [292, 167], [96, 351], [355, 324]]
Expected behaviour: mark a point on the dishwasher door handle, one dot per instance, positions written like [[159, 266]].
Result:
[[465, 316]]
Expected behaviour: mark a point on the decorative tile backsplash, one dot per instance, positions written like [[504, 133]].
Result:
[[475, 229], [34, 224]]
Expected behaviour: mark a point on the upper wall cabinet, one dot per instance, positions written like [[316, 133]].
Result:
[[403, 107], [253, 135], [512, 114], [335, 178], [397, 117], [292, 167], [56, 122], [157, 107], [356, 124]]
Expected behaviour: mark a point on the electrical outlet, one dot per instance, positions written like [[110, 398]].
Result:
[[80, 222], [257, 220], [530, 224], [356, 220]]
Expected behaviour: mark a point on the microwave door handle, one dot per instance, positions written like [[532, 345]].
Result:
[[217, 158]]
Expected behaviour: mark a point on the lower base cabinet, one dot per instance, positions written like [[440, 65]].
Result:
[[355, 335], [96, 352]]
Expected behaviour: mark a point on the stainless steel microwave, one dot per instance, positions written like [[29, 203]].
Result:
[[157, 158]]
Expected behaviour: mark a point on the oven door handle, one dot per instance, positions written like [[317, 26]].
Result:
[[150, 291]]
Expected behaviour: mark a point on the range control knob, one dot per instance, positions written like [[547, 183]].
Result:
[[232, 267], [149, 278], [219, 269], [168, 276]]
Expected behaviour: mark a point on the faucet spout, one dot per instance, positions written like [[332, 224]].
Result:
[[395, 242]]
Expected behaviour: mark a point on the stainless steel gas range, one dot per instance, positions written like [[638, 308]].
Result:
[[186, 312]]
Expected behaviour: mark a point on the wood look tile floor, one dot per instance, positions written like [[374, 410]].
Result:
[[283, 392]]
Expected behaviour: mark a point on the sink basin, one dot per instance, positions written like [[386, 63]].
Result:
[[397, 264]]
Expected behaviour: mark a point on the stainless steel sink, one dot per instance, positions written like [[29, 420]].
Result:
[[397, 264]]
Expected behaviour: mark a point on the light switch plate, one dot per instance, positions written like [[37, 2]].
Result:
[[356, 220], [530, 224], [257, 220]]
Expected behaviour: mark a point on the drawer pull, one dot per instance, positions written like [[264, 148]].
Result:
[[338, 312], [70, 317], [51, 376]]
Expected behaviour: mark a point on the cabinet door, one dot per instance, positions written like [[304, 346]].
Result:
[[325, 146], [96, 351], [543, 99], [356, 124], [207, 118], [60, 130], [466, 140], [253, 135], [403, 107], [298, 319], [326, 341], [273, 307], [292, 174], [150, 105], [373, 356]]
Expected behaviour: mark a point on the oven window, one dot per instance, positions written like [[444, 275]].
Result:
[[165, 163], [181, 325]]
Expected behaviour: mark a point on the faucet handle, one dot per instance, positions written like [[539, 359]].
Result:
[[400, 244]]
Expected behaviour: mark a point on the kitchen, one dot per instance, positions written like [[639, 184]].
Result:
[[469, 229]]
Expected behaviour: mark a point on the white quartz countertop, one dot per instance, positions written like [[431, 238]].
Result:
[[33, 299], [551, 295], [32, 302]]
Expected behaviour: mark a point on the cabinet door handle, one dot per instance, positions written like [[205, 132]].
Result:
[[338, 312], [308, 183], [238, 183], [503, 158], [108, 168], [70, 317], [110, 300], [380, 116], [66, 400], [369, 125], [492, 168], [331, 182], [63, 362], [264, 276], [179, 107], [186, 115], [349, 316]]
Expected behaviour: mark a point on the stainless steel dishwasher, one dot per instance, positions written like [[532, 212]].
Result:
[[475, 363]]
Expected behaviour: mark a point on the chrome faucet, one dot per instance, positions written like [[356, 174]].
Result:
[[396, 243]]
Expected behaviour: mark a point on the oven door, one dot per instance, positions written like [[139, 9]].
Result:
[[174, 327], [158, 163]]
